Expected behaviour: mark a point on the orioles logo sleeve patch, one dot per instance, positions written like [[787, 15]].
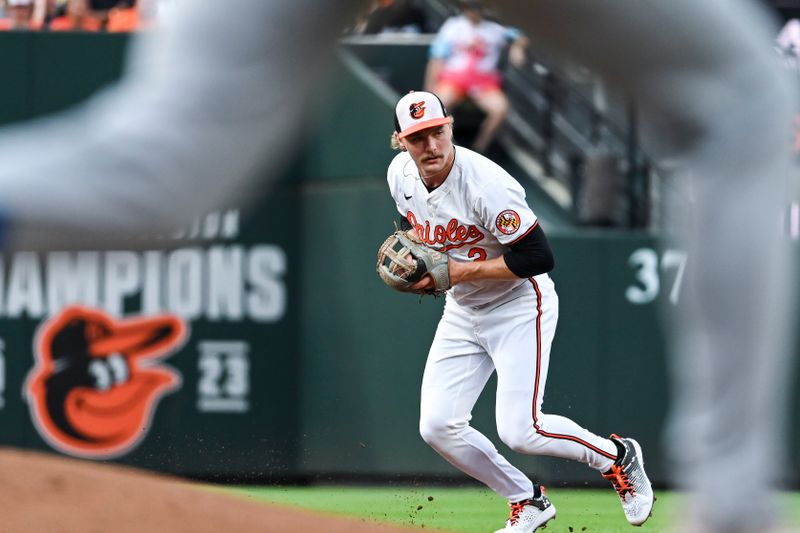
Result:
[[508, 222], [97, 380], [417, 110]]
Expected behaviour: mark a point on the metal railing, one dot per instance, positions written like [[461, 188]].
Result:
[[559, 124], [558, 121]]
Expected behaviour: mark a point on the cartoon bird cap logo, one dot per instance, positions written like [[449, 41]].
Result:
[[417, 110]]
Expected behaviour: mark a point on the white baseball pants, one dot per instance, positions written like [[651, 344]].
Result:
[[512, 337]]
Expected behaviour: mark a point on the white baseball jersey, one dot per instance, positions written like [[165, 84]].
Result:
[[474, 215]]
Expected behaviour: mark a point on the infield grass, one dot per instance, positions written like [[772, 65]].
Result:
[[475, 510]]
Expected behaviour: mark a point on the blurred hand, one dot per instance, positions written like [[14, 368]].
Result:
[[516, 54]]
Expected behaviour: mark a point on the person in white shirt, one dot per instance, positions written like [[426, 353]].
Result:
[[464, 63]]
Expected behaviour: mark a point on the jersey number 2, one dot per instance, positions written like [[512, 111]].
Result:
[[477, 254]]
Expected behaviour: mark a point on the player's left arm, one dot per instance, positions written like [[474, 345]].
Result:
[[526, 257], [502, 210]]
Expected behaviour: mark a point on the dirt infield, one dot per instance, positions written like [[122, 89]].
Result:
[[51, 494]]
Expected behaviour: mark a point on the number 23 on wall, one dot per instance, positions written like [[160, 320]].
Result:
[[651, 272]]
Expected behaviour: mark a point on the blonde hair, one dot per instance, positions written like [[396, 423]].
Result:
[[395, 143]]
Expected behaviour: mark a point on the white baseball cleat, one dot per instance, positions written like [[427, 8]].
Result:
[[631, 483], [529, 515]]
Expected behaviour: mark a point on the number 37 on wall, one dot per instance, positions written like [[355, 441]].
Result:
[[651, 272]]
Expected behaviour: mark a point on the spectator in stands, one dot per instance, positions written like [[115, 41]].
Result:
[[19, 15], [392, 16], [77, 17], [123, 18], [97, 15], [48, 10], [464, 62]]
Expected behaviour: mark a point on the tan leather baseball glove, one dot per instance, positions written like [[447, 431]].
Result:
[[403, 259]]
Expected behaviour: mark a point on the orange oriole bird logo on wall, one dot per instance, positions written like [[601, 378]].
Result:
[[97, 380]]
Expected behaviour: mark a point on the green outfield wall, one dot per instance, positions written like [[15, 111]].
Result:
[[267, 348]]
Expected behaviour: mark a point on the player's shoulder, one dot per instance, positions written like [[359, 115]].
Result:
[[399, 158], [400, 167], [479, 169]]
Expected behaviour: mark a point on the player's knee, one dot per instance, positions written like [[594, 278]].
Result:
[[436, 431], [432, 434], [520, 440]]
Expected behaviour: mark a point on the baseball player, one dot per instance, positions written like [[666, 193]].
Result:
[[500, 315]]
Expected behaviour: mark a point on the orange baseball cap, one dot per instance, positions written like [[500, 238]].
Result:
[[419, 110]]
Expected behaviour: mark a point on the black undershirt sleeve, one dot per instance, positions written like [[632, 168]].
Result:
[[405, 225], [531, 255]]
